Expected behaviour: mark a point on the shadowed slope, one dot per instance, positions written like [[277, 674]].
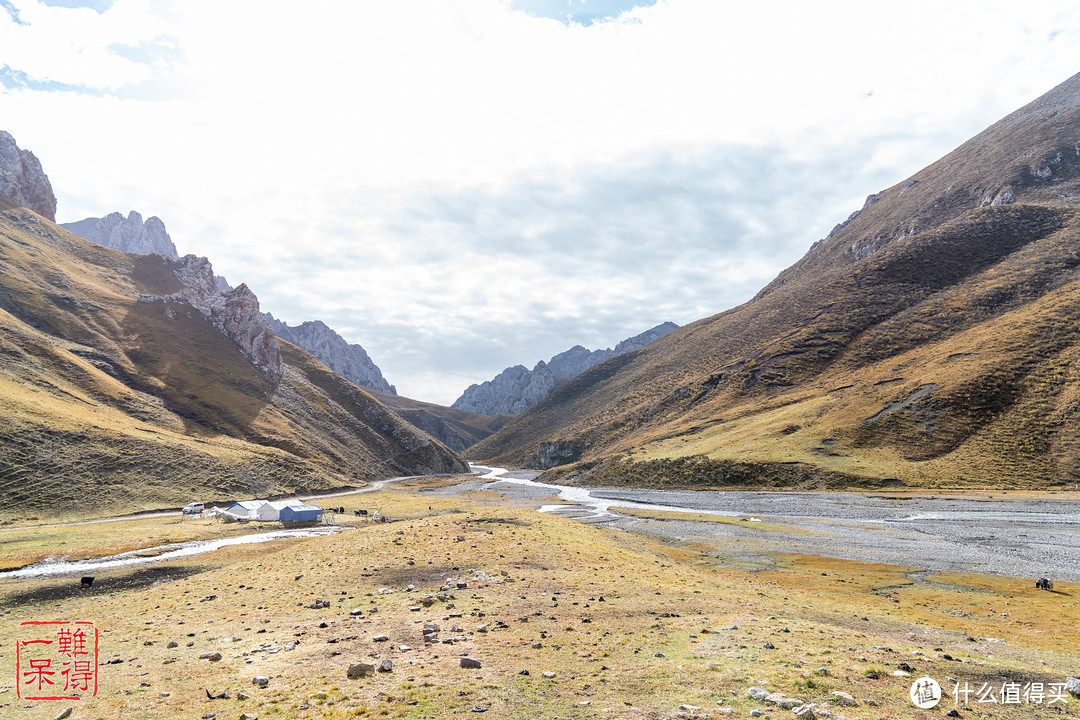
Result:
[[108, 404], [928, 338]]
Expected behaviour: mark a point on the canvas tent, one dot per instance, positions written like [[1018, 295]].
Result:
[[300, 513], [243, 510], [268, 512]]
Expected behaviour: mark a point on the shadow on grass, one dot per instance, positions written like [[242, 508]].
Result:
[[67, 587]]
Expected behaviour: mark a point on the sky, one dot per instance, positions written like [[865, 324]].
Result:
[[465, 185]]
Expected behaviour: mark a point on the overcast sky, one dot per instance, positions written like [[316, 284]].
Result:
[[464, 185]]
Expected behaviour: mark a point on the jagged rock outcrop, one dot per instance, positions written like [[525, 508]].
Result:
[[550, 454], [517, 389], [129, 234], [23, 181], [350, 361], [513, 391], [234, 312]]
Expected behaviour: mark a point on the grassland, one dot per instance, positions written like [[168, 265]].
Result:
[[630, 627]]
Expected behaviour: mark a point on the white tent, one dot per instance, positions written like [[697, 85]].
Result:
[[245, 509], [268, 512]]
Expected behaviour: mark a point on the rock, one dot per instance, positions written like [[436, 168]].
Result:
[[757, 693], [260, 680], [23, 181], [807, 712], [900, 673], [547, 674], [1072, 686], [171, 644], [516, 389], [768, 646], [822, 671], [242, 696], [65, 713], [349, 361], [357, 670], [756, 713], [482, 628], [129, 234], [472, 663], [386, 666], [234, 313], [844, 698], [248, 716], [780, 700], [380, 638], [953, 712], [211, 656]]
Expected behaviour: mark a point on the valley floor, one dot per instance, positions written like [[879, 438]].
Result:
[[565, 619]]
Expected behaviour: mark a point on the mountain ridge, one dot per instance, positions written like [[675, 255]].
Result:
[[517, 388], [862, 361]]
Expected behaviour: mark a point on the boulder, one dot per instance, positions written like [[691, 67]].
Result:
[[358, 670], [23, 181], [471, 663]]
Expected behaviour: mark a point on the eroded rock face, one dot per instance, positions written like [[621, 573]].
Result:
[[513, 391], [23, 181], [517, 389], [350, 361], [129, 234], [234, 312], [555, 453]]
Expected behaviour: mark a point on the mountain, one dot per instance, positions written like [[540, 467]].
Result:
[[129, 234], [516, 389], [132, 382], [930, 339], [349, 361], [457, 429], [23, 181]]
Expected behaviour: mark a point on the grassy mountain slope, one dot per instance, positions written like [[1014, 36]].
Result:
[[457, 429], [112, 405], [931, 338]]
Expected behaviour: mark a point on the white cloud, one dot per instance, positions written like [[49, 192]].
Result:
[[460, 186]]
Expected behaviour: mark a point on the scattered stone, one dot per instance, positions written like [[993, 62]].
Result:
[[224, 695], [66, 713], [757, 693], [901, 673], [1072, 685], [479, 708], [822, 670], [547, 674], [211, 656], [386, 666], [787, 703], [482, 628], [249, 716], [768, 646], [242, 696], [357, 670], [468, 662], [806, 712], [689, 708], [356, 611], [953, 713], [756, 713], [380, 638], [404, 648], [172, 644], [260, 680], [845, 698]]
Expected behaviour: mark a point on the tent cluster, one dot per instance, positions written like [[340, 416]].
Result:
[[271, 511]]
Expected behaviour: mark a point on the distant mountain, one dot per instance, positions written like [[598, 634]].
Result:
[[516, 389], [23, 181], [456, 429], [931, 339], [350, 361], [132, 382], [129, 234]]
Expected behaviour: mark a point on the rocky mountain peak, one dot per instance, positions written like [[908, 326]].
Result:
[[517, 389], [350, 361], [129, 234], [234, 312], [23, 181]]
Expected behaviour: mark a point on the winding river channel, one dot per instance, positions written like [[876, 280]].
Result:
[[990, 533]]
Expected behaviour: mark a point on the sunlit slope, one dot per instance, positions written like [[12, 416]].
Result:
[[112, 405], [931, 338]]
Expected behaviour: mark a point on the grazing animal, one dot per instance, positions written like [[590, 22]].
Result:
[[87, 581], [1044, 584], [361, 513]]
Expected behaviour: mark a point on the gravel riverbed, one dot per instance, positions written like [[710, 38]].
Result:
[[985, 532]]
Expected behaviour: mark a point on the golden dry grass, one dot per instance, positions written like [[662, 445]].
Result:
[[632, 628]]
